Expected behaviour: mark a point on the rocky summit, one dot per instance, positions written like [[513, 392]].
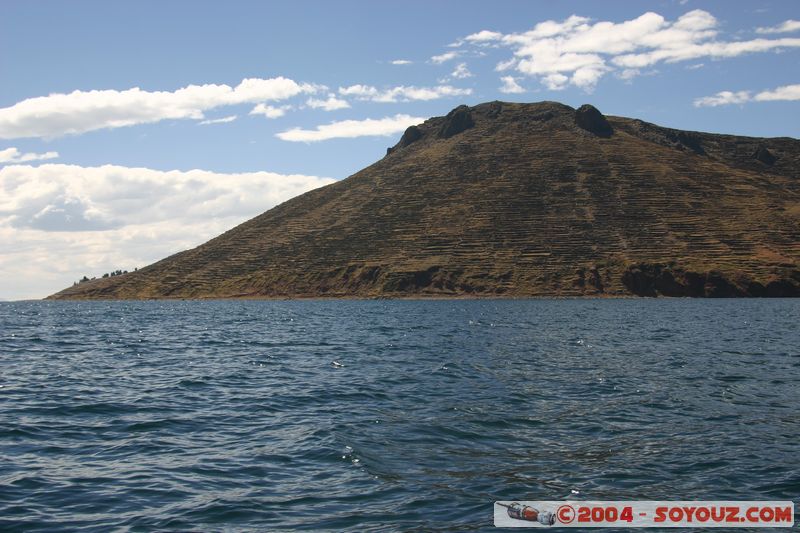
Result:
[[513, 200]]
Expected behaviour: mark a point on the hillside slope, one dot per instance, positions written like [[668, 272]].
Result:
[[516, 200]]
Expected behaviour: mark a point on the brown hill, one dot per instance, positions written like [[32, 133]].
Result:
[[516, 200]]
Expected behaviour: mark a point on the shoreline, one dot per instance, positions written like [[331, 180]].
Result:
[[406, 298]]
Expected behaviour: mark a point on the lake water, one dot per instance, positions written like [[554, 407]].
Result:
[[228, 416]]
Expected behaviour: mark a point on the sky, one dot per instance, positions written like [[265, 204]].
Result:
[[130, 131]]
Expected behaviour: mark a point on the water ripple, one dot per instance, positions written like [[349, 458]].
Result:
[[141, 416]]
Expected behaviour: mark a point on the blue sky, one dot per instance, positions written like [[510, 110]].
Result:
[[110, 177]]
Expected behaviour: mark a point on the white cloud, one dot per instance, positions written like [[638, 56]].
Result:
[[442, 58], [787, 92], [83, 111], [723, 98], [587, 77], [401, 62], [715, 50], [402, 93], [483, 36], [577, 51], [510, 86], [331, 104], [352, 128], [222, 120], [507, 64], [784, 93], [13, 155], [270, 111], [461, 71], [115, 195], [786, 26], [555, 81], [629, 74], [96, 219], [262, 90], [362, 91]]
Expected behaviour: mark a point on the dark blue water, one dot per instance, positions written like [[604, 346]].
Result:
[[228, 416]]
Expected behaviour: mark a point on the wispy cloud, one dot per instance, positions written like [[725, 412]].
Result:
[[402, 93], [401, 62], [82, 111], [786, 26], [461, 71], [510, 86], [222, 120], [787, 92], [442, 58], [13, 155], [330, 104], [577, 51], [484, 36], [723, 98], [270, 111], [352, 128], [784, 93]]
